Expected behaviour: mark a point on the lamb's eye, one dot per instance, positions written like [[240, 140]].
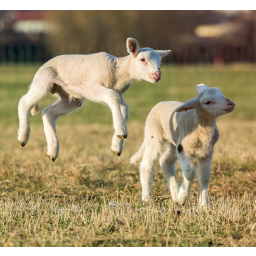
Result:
[[208, 102], [142, 60]]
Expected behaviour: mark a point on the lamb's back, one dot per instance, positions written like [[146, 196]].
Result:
[[78, 69], [158, 120]]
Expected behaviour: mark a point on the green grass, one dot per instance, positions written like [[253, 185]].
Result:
[[178, 83], [90, 197]]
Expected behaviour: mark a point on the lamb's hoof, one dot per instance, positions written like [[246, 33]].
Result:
[[148, 201], [122, 136], [180, 203], [52, 158], [116, 153], [22, 144]]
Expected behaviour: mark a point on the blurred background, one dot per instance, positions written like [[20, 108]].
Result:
[[193, 36]]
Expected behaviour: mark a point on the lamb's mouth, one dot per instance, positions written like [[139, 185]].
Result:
[[230, 109], [155, 78]]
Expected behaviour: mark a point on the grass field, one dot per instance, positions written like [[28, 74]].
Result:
[[90, 197]]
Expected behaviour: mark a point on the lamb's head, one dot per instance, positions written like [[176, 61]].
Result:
[[145, 61], [209, 101]]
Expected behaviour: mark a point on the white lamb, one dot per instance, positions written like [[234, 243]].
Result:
[[99, 77], [188, 130]]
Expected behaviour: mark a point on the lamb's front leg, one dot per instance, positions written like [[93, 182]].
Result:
[[111, 98], [204, 172], [167, 163], [117, 143], [188, 172]]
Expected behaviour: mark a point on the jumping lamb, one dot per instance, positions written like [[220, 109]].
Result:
[[187, 130], [98, 77]]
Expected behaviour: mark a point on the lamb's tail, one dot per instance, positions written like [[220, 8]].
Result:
[[137, 157], [35, 109]]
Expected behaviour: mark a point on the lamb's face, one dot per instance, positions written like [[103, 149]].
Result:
[[147, 65], [145, 61], [215, 103]]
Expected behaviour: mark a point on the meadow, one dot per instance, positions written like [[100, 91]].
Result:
[[90, 197]]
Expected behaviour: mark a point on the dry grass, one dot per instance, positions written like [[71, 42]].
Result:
[[89, 197]]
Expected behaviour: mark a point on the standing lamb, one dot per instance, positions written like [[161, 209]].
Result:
[[98, 77], [188, 130]]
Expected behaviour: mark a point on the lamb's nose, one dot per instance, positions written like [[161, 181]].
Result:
[[231, 103], [158, 74]]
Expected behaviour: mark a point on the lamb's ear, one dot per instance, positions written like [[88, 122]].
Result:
[[201, 87], [188, 105], [132, 46], [163, 53]]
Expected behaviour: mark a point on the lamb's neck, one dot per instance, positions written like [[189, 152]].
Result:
[[204, 124], [124, 74]]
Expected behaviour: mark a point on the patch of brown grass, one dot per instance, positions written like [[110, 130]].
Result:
[[90, 197]]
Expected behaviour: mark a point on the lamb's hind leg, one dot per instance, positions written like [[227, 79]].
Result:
[[117, 143], [63, 106], [147, 168], [167, 163], [35, 93]]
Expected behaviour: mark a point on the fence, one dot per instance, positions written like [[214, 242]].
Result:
[[40, 53]]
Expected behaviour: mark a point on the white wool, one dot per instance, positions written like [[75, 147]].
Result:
[[188, 130], [98, 77]]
